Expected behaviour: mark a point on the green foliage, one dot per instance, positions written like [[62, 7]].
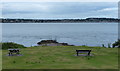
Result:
[[8, 45], [14, 62], [103, 45], [109, 45], [116, 44]]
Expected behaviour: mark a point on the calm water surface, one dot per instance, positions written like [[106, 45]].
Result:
[[76, 34]]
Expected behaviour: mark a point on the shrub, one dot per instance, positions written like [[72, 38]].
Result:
[[109, 45], [8, 45], [116, 44], [14, 61]]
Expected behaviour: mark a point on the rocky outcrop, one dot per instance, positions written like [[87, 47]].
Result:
[[47, 41], [52, 43]]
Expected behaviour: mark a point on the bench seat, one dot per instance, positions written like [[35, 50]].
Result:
[[83, 51]]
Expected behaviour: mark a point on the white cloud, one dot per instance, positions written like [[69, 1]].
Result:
[[108, 9], [58, 10], [25, 8]]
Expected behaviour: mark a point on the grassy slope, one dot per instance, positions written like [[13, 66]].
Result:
[[62, 57]]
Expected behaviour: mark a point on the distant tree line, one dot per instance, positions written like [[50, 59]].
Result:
[[59, 20]]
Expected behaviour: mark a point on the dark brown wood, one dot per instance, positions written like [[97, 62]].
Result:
[[83, 51], [11, 51]]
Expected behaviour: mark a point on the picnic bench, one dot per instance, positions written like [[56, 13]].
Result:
[[83, 51], [13, 52]]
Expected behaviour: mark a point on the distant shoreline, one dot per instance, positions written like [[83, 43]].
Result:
[[87, 20]]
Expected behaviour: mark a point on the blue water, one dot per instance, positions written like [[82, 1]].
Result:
[[91, 34]]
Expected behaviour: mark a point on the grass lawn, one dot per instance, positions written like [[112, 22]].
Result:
[[61, 57], [0, 59]]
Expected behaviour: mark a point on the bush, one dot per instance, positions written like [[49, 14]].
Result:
[[116, 44], [8, 45]]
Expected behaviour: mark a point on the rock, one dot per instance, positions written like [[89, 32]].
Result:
[[52, 43], [47, 41]]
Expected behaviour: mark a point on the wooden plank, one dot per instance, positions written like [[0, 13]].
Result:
[[83, 51]]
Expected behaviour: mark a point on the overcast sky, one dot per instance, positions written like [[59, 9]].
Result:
[[58, 10], [59, 0]]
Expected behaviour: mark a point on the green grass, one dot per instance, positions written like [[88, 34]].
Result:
[[62, 57], [0, 59]]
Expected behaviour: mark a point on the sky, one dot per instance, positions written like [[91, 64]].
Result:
[[59, 0], [59, 10]]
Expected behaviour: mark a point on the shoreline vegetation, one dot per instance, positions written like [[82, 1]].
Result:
[[87, 20], [7, 45]]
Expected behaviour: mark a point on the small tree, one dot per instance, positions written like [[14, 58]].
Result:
[[109, 45], [103, 45]]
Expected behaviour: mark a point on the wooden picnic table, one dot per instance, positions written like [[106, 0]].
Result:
[[13, 51]]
